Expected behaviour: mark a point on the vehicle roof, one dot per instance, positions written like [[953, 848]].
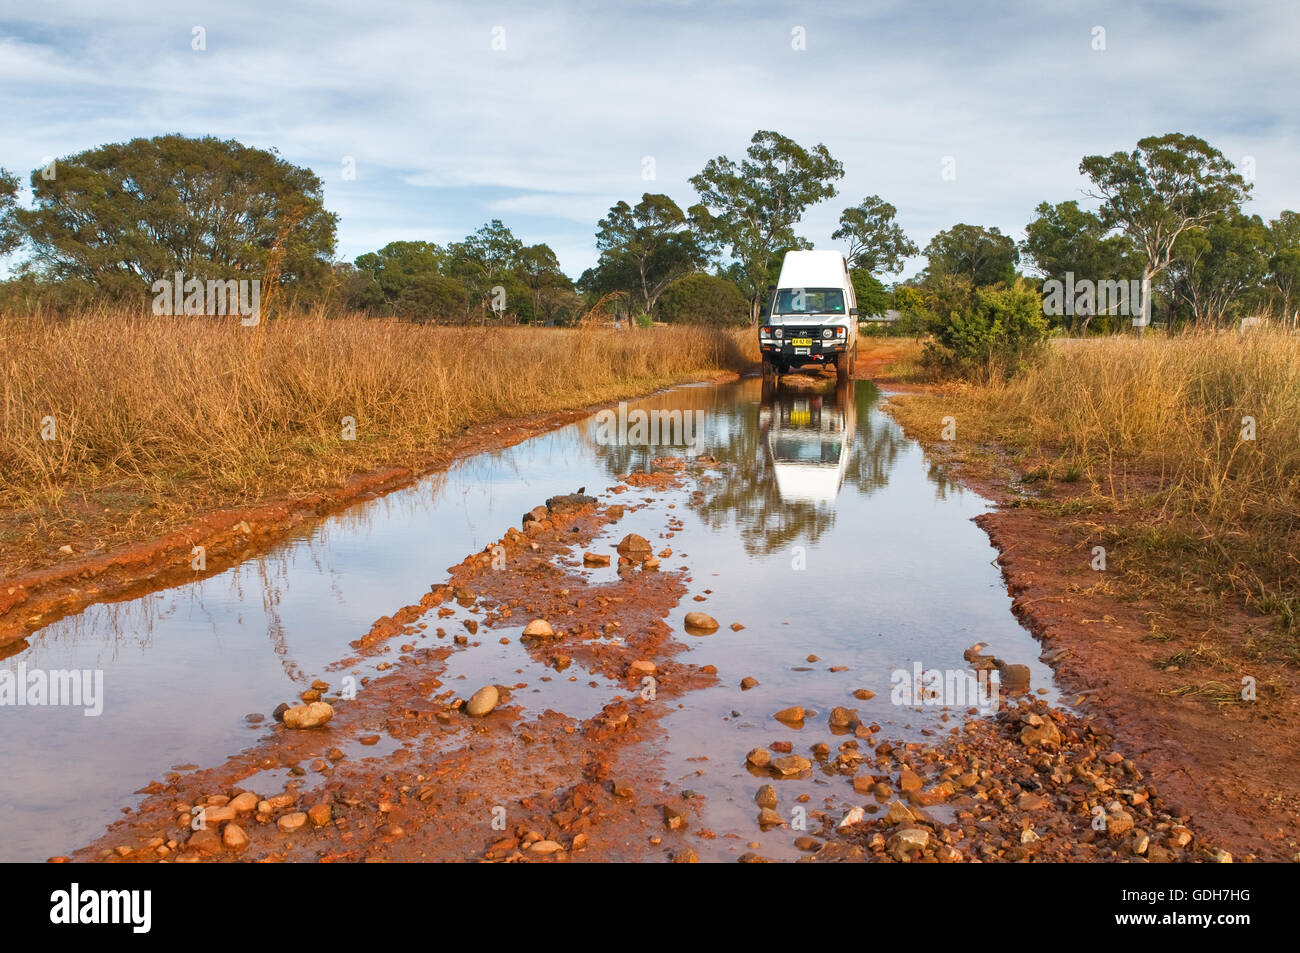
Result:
[[813, 269]]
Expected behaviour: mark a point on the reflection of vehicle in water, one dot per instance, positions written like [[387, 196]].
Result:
[[807, 438]]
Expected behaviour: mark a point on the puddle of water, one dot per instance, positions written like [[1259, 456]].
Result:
[[893, 572], [182, 667], [834, 538]]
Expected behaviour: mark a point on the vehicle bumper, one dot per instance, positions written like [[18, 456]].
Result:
[[818, 350]]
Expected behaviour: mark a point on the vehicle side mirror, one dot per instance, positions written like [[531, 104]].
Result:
[[853, 312]]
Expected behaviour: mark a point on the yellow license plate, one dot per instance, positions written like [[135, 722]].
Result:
[[801, 342], [800, 416]]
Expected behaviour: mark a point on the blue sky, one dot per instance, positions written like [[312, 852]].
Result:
[[547, 133]]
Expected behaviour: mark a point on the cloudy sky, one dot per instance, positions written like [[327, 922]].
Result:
[[448, 132]]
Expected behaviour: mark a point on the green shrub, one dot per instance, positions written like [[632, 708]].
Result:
[[983, 332], [703, 299]]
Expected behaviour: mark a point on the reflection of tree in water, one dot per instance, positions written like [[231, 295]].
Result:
[[876, 446], [940, 474], [746, 495], [720, 423]]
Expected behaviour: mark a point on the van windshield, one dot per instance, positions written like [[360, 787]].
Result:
[[809, 301]]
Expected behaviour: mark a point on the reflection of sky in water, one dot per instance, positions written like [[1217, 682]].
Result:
[[183, 666]]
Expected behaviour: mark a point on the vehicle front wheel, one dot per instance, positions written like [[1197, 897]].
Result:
[[844, 366]]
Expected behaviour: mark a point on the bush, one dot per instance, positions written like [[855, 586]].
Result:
[[703, 299], [983, 332]]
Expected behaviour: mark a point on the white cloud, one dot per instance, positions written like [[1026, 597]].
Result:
[[448, 133]]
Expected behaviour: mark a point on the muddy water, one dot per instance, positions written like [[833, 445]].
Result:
[[822, 530]]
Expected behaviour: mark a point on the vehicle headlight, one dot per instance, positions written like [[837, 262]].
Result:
[[779, 333], [826, 333]]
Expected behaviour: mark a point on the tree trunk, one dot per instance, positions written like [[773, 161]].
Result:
[[1146, 300]]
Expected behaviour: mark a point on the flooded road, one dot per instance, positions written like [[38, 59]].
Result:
[[823, 532]]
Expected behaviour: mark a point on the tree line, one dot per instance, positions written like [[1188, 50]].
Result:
[[109, 222]]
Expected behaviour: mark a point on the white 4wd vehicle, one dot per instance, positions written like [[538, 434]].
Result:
[[813, 318]]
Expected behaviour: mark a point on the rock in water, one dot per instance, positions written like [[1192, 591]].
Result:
[[320, 814], [1044, 735], [292, 822], [855, 815], [634, 547], [567, 500], [205, 841], [243, 803], [701, 622], [483, 701], [844, 717], [899, 814], [790, 716], [907, 841], [313, 715], [1012, 678], [233, 836], [790, 766], [539, 629]]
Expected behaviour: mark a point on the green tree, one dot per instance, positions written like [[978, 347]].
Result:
[[873, 297], [652, 243], [1067, 239], [486, 261], [549, 290], [1284, 261], [397, 264], [703, 299], [609, 275], [1218, 269], [122, 216], [1165, 187], [751, 208], [432, 297], [877, 244], [10, 234], [984, 256]]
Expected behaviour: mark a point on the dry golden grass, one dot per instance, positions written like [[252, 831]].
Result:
[[155, 418], [1160, 425], [1181, 405]]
